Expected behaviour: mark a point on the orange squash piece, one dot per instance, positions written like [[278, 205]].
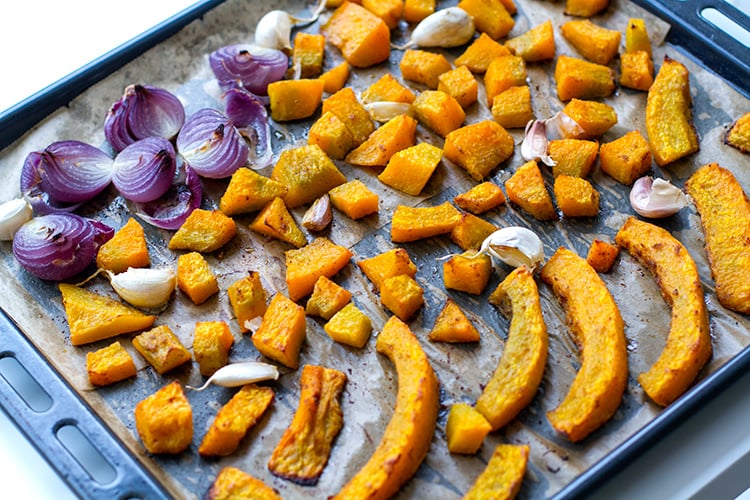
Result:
[[349, 326], [738, 135], [127, 248], [471, 231], [335, 78], [402, 295], [574, 157], [490, 16], [211, 343], [467, 274], [363, 38], [275, 221], [414, 223], [294, 99], [395, 135], [347, 107], [416, 10], [576, 78], [109, 364], [164, 420], [593, 117], [438, 111], [481, 198], [537, 44], [627, 158], [282, 331], [308, 174], [526, 189], [332, 135], [393, 262], [585, 8], [354, 199], [389, 11], [576, 197], [307, 54], [465, 429], [480, 53], [233, 483], [503, 476], [636, 37], [204, 231], [503, 73], [636, 70], [387, 89], [409, 170], [452, 325], [247, 298], [305, 265], [460, 84], [511, 108], [327, 298], [161, 348], [479, 147], [249, 191], [601, 255], [596, 43]]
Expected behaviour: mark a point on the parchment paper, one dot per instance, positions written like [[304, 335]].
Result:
[[180, 65]]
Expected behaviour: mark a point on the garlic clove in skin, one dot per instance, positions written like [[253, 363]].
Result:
[[274, 31], [515, 246], [237, 374], [13, 215], [656, 198], [144, 287], [534, 145], [319, 215], [445, 28]]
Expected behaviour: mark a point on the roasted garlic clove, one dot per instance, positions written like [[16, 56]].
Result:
[[13, 215], [515, 246], [144, 287], [656, 198], [237, 374]]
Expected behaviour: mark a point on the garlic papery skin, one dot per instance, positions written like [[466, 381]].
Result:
[[656, 198], [144, 287], [319, 215], [515, 246], [449, 27], [13, 215], [274, 31], [237, 374], [383, 111], [534, 145]]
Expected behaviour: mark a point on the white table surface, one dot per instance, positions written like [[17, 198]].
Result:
[[707, 457]]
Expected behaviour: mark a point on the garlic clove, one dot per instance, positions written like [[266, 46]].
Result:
[[13, 215], [274, 31], [534, 145], [237, 374], [656, 198], [144, 287], [515, 246], [319, 215], [562, 126], [446, 28], [382, 111]]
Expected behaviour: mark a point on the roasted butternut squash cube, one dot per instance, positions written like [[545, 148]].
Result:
[[738, 135], [308, 174], [465, 274], [387, 89], [327, 298], [109, 365], [354, 199], [636, 37], [347, 107], [636, 70], [466, 429], [480, 53], [479, 148], [573, 157], [204, 231], [164, 420], [537, 44], [439, 112], [349, 326], [576, 78], [398, 133], [414, 223], [593, 117], [195, 278], [275, 221], [332, 135], [416, 10], [248, 299], [282, 331], [211, 343], [576, 197], [585, 8], [305, 265], [503, 73], [490, 16], [249, 191], [481, 198], [526, 189], [161, 348], [595, 43], [307, 53], [409, 170], [471, 231], [452, 325], [389, 11], [402, 295], [511, 108], [362, 37], [391, 263], [601, 255], [127, 248], [335, 78], [627, 158], [234, 483], [460, 84], [294, 99], [423, 67]]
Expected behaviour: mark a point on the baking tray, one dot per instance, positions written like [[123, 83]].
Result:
[[132, 478]]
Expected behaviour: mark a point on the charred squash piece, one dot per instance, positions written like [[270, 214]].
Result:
[[452, 325], [408, 435], [388, 264], [275, 221], [232, 483], [502, 477], [519, 372], [164, 420], [249, 191], [161, 348], [689, 343], [738, 135], [109, 365], [598, 329], [303, 450], [204, 231]]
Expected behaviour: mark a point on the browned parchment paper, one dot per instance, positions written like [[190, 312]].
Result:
[[180, 65]]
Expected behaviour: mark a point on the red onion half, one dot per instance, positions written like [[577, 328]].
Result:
[[59, 246], [253, 66], [143, 111], [144, 170], [171, 210], [211, 144], [249, 115]]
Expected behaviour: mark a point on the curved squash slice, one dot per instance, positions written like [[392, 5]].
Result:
[[599, 332], [409, 433], [503, 476], [688, 344]]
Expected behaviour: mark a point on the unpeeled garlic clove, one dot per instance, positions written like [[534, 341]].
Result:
[[656, 198], [562, 126], [382, 111], [515, 246], [13, 215], [449, 27], [144, 287], [534, 145], [274, 29], [319, 215], [237, 374]]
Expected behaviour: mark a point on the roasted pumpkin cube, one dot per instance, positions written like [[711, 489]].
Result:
[[332, 135], [573, 157], [109, 365], [275, 221], [537, 44], [738, 135], [355, 199], [423, 67], [601, 255], [503, 73], [164, 420], [349, 326], [490, 16], [195, 278], [466, 429], [127, 248], [204, 231], [480, 53], [248, 299], [636, 37], [465, 274], [362, 37], [479, 148], [409, 169], [596, 43], [308, 174], [576, 78], [471, 231], [282, 331], [307, 54], [481, 198], [396, 134], [249, 191], [402, 295], [593, 117], [335, 78], [235, 419], [414, 223], [391, 263], [452, 325], [347, 107], [389, 11], [439, 112], [211, 343], [161, 348], [627, 158], [460, 84], [294, 99], [305, 265], [327, 298], [636, 70], [511, 108], [576, 197], [526, 189], [234, 483], [585, 8], [416, 10], [387, 89]]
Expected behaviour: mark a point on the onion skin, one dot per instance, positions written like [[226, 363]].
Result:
[[212, 145], [144, 170], [171, 210], [254, 67]]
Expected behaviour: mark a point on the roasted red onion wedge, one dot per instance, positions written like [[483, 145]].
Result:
[[252, 66], [249, 115], [170, 210], [144, 170], [211, 144]]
